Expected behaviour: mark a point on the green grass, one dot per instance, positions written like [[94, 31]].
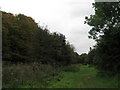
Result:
[[86, 77]]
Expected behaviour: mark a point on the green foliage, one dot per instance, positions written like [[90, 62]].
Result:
[[17, 36], [106, 31], [39, 52], [70, 68], [25, 41], [106, 18], [83, 58], [91, 57]]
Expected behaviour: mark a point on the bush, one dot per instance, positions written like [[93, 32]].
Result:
[[71, 68]]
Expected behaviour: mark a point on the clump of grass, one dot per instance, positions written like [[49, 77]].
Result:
[[26, 75]]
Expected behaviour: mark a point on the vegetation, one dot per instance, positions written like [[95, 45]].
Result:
[[106, 32], [24, 41], [70, 68], [36, 75], [35, 58], [32, 54], [30, 75], [86, 77]]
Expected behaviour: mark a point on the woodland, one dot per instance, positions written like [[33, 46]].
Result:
[[33, 57]]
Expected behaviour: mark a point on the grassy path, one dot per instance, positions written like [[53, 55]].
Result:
[[85, 78]]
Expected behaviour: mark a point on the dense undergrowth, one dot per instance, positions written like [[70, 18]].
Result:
[[27, 75], [36, 75], [32, 75]]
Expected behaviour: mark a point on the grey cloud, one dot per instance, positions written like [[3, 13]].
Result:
[[80, 10], [80, 13]]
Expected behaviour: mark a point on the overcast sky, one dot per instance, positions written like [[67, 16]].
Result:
[[64, 16]]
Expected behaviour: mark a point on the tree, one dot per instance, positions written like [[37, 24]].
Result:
[[106, 31], [25, 41], [18, 32], [83, 58], [91, 56]]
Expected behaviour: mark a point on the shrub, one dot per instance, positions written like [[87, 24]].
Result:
[[71, 68]]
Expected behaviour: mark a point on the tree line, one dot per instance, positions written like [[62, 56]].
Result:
[[25, 41]]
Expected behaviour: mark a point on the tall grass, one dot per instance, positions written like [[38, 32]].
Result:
[[32, 75]]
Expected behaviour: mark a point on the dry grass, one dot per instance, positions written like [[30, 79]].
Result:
[[26, 75]]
